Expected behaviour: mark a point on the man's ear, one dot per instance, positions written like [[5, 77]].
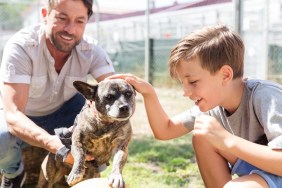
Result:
[[44, 13], [87, 90], [227, 73]]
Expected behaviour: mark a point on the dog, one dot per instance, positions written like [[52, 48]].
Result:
[[102, 130]]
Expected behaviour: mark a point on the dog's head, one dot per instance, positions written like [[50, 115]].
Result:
[[113, 99]]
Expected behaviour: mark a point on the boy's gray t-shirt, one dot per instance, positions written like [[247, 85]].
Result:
[[259, 114]]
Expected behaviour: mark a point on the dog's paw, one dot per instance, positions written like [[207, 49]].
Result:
[[74, 178], [116, 181]]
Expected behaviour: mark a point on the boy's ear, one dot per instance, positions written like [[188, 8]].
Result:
[[227, 73], [87, 90]]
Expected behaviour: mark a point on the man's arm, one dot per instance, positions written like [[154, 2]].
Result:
[[102, 77], [15, 98]]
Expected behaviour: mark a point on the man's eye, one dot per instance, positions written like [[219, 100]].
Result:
[[80, 21], [61, 18]]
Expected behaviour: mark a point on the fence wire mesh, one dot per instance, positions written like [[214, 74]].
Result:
[[124, 37]]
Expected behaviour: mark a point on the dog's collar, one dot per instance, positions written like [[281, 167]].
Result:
[[94, 111], [90, 104]]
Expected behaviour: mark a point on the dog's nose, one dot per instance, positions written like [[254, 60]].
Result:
[[124, 108]]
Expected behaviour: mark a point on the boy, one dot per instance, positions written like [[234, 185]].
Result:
[[236, 122]]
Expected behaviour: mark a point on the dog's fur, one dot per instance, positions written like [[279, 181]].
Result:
[[102, 130]]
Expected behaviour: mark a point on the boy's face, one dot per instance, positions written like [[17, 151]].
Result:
[[205, 89], [65, 24]]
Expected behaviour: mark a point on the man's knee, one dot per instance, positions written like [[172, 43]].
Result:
[[10, 150]]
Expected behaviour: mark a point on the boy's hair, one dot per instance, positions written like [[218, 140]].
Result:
[[87, 3], [214, 46]]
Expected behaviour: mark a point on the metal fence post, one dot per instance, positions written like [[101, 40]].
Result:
[[147, 43]]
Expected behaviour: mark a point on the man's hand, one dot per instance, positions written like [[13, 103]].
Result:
[[70, 160]]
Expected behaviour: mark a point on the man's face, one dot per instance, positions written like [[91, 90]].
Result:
[[65, 24]]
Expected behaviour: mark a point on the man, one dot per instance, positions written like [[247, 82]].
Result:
[[38, 68]]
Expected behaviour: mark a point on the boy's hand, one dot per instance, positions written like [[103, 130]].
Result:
[[139, 84], [212, 130]]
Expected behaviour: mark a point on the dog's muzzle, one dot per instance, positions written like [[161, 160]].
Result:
[[121, 112]]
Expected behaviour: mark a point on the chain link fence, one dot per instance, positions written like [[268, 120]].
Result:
[[124, 38]]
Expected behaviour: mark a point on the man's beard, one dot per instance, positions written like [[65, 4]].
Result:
[[61, 45]]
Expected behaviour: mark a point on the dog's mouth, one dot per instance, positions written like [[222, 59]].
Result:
[[120, 116]]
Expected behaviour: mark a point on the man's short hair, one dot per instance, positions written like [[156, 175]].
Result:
[[87, 3]]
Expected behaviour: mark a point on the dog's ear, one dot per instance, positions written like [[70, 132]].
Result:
[[134, 90], [87, 90]]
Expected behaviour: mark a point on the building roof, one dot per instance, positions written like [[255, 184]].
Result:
[[104, 16]]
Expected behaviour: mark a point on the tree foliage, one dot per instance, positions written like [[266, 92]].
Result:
[[11, 15]]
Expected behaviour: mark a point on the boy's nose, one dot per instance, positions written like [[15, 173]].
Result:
[[187, 92]]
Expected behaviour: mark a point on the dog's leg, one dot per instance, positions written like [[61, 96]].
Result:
[[119, 161], [91, 171], [44, 180], [51, 172], [78, 170]]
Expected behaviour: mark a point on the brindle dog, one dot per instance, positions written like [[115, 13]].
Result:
[[102, 130]]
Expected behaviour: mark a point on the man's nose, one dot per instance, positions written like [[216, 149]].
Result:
[[70, 28]]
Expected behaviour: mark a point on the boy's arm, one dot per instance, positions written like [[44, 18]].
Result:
[[163, 127], [260, 156]]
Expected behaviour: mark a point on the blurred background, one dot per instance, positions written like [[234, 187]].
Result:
[[139, 34]]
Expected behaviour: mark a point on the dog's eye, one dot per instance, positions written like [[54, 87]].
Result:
[[128, 94], [110, 96]]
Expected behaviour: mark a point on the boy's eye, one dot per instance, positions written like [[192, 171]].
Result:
[[192, 82]]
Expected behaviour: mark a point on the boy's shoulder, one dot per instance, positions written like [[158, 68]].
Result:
[[262, 90], [258, 83]]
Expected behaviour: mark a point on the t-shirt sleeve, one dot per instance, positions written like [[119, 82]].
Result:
[[16, 65], [188, 117], [268, 107], [101, 64]]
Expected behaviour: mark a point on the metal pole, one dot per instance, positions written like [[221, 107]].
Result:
[[238, 15], [97, 20], [147, 42], [266, 35]]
